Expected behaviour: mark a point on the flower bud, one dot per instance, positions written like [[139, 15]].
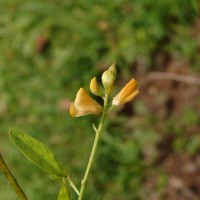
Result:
[[94, 87], [108, 78]]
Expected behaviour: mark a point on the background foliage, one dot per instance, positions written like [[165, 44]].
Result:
[[48, 49]]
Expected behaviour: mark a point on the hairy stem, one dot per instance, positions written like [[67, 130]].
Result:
[[11, 179], [94, 148]]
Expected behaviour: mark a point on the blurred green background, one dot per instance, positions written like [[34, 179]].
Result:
[[150, 148]]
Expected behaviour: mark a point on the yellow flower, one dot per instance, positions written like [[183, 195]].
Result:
[[84, 105], [94, 87], [127, 93]]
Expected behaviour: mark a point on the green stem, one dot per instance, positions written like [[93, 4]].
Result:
[[72, 185], [94, 148], [11, 179]]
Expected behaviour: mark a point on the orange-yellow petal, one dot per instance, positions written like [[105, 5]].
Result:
[[72, 110], [84, 105], [128, 92], [94, 87]]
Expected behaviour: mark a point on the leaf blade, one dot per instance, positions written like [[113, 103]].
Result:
[[37, 152], [63, 193]]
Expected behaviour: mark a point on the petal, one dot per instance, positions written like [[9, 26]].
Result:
[[84, 105], [72, 110], [131, 97], [94, 87], [128, 92]]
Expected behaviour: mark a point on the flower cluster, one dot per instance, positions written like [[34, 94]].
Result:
[[85, 105]]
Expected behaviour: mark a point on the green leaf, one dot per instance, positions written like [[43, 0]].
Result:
[[55, 178], [63, 193], [37, 152]]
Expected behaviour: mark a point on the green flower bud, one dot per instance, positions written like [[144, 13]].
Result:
[[108, 78]]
